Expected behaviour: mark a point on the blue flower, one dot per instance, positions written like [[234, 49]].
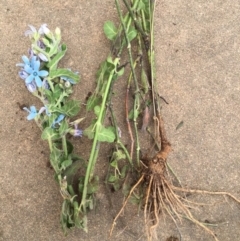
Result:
[[27, 61], [32, 112], [58, 120], [34, 72]]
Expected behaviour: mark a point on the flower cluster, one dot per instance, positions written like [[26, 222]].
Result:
[[45, 81]]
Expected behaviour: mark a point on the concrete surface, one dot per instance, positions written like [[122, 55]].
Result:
[[197, 45]]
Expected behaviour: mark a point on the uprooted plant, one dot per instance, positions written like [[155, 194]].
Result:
[[52, 86], [153, 187]]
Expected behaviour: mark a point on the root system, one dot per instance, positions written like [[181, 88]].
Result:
[[161, 197]]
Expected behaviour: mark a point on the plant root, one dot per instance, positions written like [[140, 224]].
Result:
[[159, 195]]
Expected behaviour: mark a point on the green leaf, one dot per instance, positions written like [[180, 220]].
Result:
[[97, 110], [63, 127], [92, 186], [144, 81], [112, 178], [49, 134], [46, 42], [106, 134], [71, 108], [89, 131], [72, 170], [56, 93], [93, 101], [66, 164], [52, 65], [55, 157], [133, 115], [141, 6], [124, 171], [114, 163], [132, 33], [69, 147], [64, 73], [110, 30], [53, 49], [120, 72]]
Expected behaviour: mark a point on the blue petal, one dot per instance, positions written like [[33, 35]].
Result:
[[28, 69], [42, 73], [29, 79], [36, 65], [38, 81], [25, 60], [33, 108], [33, 59], [60, 118], [26, 109], [31, 116]]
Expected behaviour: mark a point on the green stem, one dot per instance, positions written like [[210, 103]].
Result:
[[137, 90], [50, 145], [139, 28], [64, 145], [118, 141], [95, 145]]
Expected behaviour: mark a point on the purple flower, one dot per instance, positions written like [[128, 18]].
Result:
[[32, 112], [58, 120], [23, 74], [45, 84], [44, 108], [34, 72], [76, 132], [42, 30], [31, 87], [41, 56]]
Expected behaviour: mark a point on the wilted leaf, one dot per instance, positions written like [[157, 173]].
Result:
[[179, 125]]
